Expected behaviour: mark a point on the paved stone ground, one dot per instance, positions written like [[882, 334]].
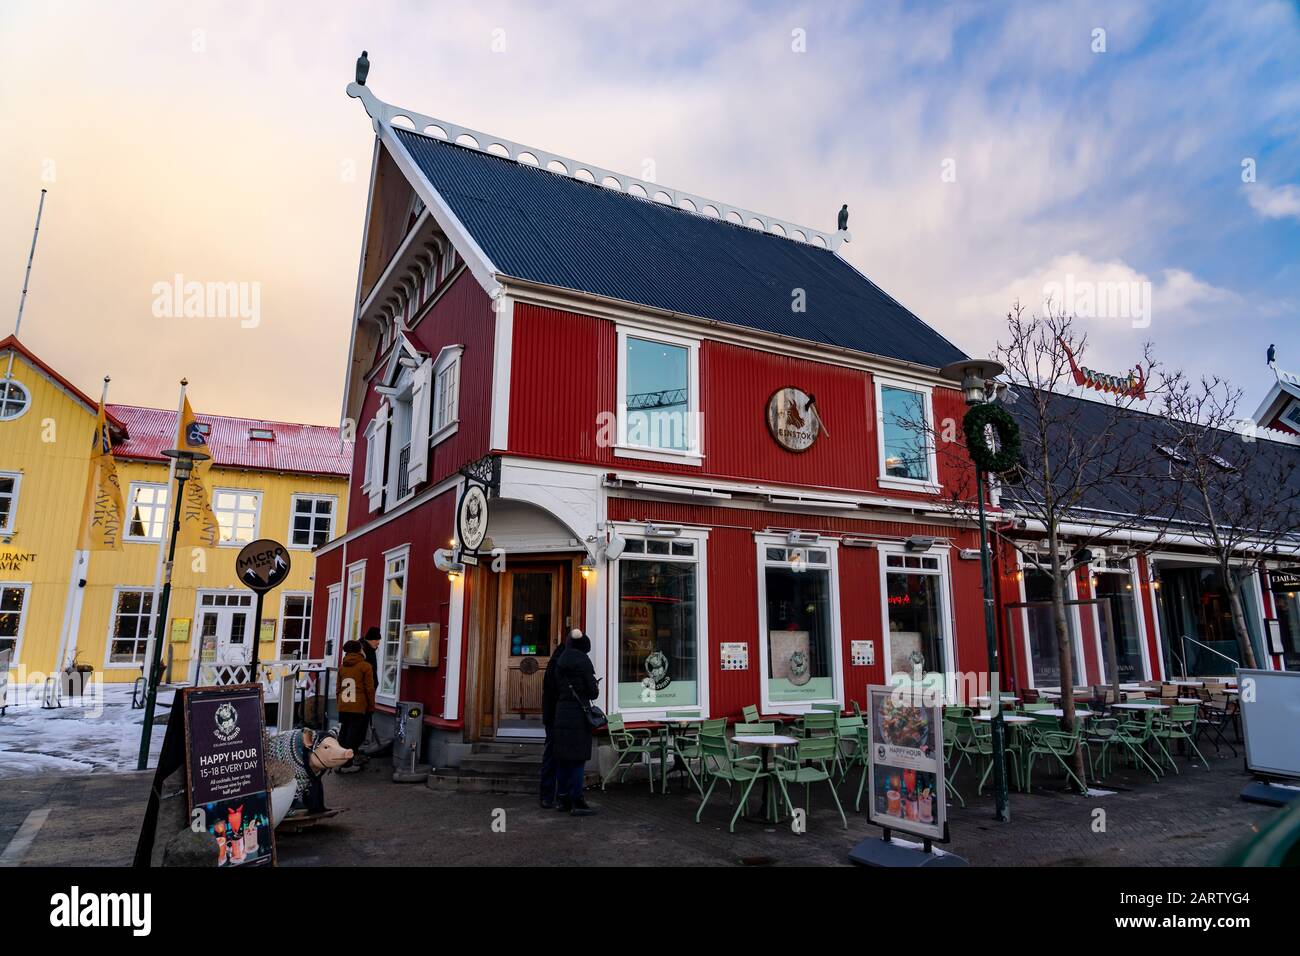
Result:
[[1189, 819]]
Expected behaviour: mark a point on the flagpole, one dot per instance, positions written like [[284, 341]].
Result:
[[22, 299], [162, 538]]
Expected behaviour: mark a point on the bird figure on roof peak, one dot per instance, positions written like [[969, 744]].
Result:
[[363, 68], [844, 218]]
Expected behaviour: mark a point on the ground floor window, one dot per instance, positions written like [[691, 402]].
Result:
[[1196, 630], [133, 612], [914, 607], [658, 623], [1114, 587], [13, 611], [295, 627], [1288, 615], [1040, 632], [356, 591], [394, 614], [799, 623]]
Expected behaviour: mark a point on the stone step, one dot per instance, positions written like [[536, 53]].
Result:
[[453, 780], [528, 764], [506, 747]]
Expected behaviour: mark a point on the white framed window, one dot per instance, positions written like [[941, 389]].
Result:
[[295, 626], [14, 399], [400, 418], [659, 621], [353, 630], [311, 520], [239, 514], [10, 483], [446, 393], [1042, 656], [1114, 582], [388, 680], [14, 599], [916, 615], [129, 627], [333, 618], [904, 426], [146, 511], [799, 636], [1291, 415], [658, 397]]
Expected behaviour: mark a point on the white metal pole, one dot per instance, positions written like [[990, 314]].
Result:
[[22, 299], [162, 540]]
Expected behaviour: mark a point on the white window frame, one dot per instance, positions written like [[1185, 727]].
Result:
[[109, 663], [257, 514], [391, 557], [26, 588], [333, 618], [944, 574], [1138, 611], [10, 525], [293, 511], [1291, 407], [284, 617], [130, 505], [762, 541], [703, 650], [401, 431], [356, 570], [693, 454], [885, 480], [27, 406], [1072, 594], [446, 365]]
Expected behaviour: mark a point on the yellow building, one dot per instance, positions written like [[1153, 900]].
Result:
[[268, 480]]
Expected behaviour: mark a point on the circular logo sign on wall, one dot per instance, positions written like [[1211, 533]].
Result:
[[472, 518], [262, 564], [792, 418]]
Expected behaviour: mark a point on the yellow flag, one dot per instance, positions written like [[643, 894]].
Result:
[[199, 527], [101, 513]]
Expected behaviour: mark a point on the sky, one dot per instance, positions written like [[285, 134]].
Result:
[[986, 152]]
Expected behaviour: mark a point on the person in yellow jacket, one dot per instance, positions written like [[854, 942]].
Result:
[[356, 700]]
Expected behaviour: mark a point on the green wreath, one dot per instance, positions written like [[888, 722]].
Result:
[[977, 420]]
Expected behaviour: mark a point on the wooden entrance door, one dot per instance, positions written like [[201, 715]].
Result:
[[529, 623]]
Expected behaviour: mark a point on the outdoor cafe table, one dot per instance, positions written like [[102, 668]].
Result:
[[1189, 700], [1188, 683], [1008, 718], [1005, 698], [1140, 705], [767, 743], [1057, 712], [666, 727]]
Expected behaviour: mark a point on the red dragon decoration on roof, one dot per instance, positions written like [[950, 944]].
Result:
[[1133, 385]]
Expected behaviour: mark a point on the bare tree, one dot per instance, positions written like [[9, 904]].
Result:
[[1082, 479], [1238, 497]]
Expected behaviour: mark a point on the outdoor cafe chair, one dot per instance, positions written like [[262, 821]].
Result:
[[846, 732], [1214, 719], [724, 765], [813, 762], [749, 715], [1111, 732], [688, 748], [1178, 724], [1060, 746], [629, 744], [764, 728], [949, 748]]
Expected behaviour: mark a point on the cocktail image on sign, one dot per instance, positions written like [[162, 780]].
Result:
[[905, 766]]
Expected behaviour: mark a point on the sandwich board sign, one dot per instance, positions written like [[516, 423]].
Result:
[[225, 772], [905, 768]]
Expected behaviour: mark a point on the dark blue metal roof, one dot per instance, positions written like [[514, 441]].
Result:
[[552, 229]]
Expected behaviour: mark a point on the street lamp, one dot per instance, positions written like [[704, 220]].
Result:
[[976, 378], [182, 469]]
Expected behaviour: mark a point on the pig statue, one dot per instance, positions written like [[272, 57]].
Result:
[[309, 753]]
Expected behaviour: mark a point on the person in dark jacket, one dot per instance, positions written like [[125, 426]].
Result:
[[356, 700], [550, 694], [576, 683], [370, 647]]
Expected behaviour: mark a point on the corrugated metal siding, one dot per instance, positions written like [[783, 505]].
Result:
[[563, 376], [305, 449], [560, 231]]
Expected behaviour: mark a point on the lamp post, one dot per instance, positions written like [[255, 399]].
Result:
[[974, 376], [182, 469]]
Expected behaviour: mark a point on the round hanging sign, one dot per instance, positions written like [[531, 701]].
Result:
[[472, 517], [262, 564], [793, 420]]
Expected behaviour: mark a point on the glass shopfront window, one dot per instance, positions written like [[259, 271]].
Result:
[[905, 434], [1044, 652], [658, 623], [1196, 628], [1288, 615], [1114, 587], [800, 624], [915, 610]]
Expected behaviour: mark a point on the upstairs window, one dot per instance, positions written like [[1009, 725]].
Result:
[[313, 521], [13, 399], [238, 515], [9, 482], [658, 396], [146, 512], [906, 451]]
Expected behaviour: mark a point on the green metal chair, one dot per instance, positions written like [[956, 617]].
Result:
[[823, 723], [1058, 745], [1130, 736], [813, 762], [833, 708], [977, 745], [1178, 723], [851, 752], [688, 745], [724, 765], [949, 748], [627, 744], [758, 729], [750, 715]]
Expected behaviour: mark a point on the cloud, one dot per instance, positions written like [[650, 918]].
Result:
[[1274, 202]]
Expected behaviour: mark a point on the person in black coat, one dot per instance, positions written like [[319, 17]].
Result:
[[576, 682], [550, 696]]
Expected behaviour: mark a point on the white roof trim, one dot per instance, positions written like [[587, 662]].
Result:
[[383, 114]]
